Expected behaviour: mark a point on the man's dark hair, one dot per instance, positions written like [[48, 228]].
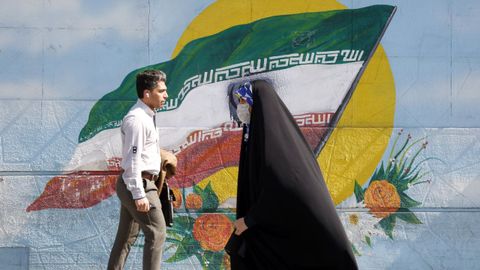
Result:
[[148, 79]]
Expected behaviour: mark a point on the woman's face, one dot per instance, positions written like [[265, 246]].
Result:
[[243, 111]]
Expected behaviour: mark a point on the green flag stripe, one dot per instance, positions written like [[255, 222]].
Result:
[[332, 37]]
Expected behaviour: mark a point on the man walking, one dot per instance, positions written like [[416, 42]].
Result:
[[136, 189]]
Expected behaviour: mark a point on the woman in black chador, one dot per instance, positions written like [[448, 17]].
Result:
[[285, 216]]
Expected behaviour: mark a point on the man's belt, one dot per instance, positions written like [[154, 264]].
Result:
[[149, 176]]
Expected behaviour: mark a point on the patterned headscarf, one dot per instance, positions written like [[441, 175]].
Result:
[[245, 92]]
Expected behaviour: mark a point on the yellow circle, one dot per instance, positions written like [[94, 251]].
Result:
[[356, 146]]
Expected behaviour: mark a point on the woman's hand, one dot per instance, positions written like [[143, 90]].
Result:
[[240, 226]]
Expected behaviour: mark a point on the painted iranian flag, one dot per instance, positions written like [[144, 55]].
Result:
[[313, 60]]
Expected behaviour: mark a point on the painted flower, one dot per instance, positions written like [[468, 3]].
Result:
[[212, 231], [359, 226], [193, 201], [382, 198], [178, 198]]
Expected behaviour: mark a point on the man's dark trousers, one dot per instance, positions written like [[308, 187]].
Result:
[[152, 223]]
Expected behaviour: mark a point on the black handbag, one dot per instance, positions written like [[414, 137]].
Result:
[[236, 245], [166, 199]]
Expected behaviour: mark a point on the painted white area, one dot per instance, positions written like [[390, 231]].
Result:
[[93, 154], [71, 53], [306, 88]]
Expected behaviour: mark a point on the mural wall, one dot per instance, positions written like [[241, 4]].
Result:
[[384, 92]]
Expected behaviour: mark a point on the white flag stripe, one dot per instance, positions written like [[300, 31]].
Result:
[[206, 107]]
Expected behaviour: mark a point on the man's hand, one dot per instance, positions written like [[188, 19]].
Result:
[[240, 226], [143, 205]]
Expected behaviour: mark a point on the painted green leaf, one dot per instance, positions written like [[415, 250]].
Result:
[[368, 240], [231, 216], [402, 171], [201, 259], [388, 224], [174, 238], [392, 174], [180, 255], [402, 184], [415, 178], [359, 193], [379, 174], [209, 198], [213, 260], [186, 248], [355, 251], [409, 217], [407, 202], [183, 225]]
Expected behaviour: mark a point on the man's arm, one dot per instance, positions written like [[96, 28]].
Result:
[[134, 140]]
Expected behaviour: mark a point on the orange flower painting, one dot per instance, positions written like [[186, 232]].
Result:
[[382, 198], [212, 231]]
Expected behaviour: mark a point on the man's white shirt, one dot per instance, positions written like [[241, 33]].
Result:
[[140, 147]]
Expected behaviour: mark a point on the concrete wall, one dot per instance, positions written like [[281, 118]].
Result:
[[59, 58]]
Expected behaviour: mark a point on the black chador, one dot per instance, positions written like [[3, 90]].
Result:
[[291, 219]]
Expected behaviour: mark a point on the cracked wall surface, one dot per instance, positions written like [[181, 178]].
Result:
[[413, 134]]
